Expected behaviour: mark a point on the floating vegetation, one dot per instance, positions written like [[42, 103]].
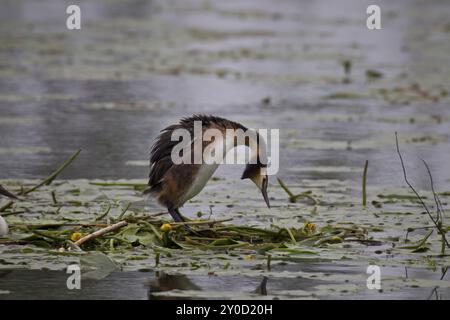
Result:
[[293, 198], [373, 74], [122, 231], [438, 219], [412, 93], [345, 95], [130, 229], [364, 182], [149, 231]]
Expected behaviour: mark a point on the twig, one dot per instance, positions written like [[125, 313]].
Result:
[[124, 211], [10, 213], [157, 257], [55, 202], [304, 195], [292, 197], [439, 208], [7, 193], [6, 206], [294, 242], [285, 188], [444, 271], [119, 184], [417, 194], [52, 177], [101, 232], [104, 214], [409, 184], [158, 214], [73, 246], [364, 194], [437, 200], [155, 231], [58, 224], [200, 222], [410, 230], [434, 292], [13, 242], [47, 235], [210, 211]]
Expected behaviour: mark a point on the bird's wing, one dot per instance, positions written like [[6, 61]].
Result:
[[160, 157], [160, 154]]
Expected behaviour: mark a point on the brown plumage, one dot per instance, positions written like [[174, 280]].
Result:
[[173, 184]]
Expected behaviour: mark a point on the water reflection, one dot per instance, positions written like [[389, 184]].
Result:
[[164, 282], [35, 284], [435, 293]]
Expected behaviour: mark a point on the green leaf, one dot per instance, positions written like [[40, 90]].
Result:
[[97, 266]]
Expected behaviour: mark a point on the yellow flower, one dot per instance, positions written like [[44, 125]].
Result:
[[166, 227], [309, 227], [336, 239], [76, 236]]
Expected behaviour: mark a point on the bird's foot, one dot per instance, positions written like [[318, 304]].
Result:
[[177, 217], [192, 231]]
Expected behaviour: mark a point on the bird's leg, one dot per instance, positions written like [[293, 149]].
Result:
[[177, 217], [182, 217]]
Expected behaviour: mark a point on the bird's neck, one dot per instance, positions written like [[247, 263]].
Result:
[[219, 140], [249, 138]]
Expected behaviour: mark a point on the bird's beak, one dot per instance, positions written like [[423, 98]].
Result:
[[264, 191]]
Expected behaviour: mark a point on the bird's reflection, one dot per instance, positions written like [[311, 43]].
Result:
[[435, 292], [165, 282], [4, 273]]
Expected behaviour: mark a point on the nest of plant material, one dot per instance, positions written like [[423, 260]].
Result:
[[133, 230]]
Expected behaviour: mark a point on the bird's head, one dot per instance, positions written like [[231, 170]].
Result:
[[258, 174]]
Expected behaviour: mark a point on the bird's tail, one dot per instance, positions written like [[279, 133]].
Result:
[[149, 192], [153, 189]]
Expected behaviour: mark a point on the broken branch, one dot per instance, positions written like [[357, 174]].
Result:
[[101, 232]]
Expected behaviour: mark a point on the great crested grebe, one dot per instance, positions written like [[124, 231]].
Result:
[[173, 184]]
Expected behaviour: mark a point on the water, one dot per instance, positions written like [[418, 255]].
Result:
[[138, 66], [146, 285]]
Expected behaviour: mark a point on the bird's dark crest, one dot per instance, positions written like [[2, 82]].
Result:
[[160, 154], [252, 170], [208, 120]]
